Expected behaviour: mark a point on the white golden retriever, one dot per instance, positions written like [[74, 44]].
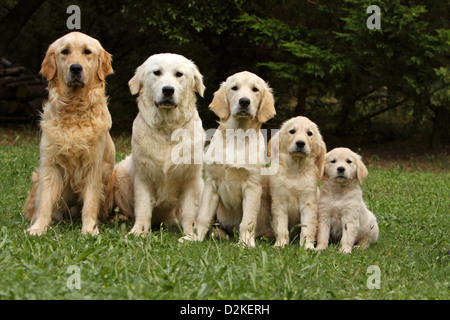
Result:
[[235, 190], [76, 151], [343, 215], [301, 152], [150, 186]]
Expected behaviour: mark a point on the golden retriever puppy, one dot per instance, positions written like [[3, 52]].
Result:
[[76, 150], [234, 161], [154, 185], [300, 153], [343, 215]]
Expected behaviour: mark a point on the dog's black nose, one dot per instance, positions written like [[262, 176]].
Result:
[[76, 68], [340, 169], [300, 144], [168, 90], [244, 102]]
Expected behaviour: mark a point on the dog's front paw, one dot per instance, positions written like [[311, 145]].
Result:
[[346, 249], [140, 230], [249, 243], [308, 244], [37, 230], [280, 243], [321, 247], [91, 230], [189, 237]]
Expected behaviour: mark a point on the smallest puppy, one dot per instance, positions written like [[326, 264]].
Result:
[[342, 213]]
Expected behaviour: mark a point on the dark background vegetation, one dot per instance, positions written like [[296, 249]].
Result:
[[360, 86]]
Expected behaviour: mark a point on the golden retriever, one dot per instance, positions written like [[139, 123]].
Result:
[[298, 150], [343, 215], [151, 185], [76, 150], [234, 186]]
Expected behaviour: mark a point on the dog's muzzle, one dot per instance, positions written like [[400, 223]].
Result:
[[76, 75], [167, 99], [243, 110], [299, 148]]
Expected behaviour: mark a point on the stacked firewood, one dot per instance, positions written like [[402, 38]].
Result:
[[21, 93]]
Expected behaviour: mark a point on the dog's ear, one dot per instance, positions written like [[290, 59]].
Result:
[[135, 84], [266, 109], [321, 150], [104, 65], [198, 82], [361, 169], [48, 67], [220, 105]]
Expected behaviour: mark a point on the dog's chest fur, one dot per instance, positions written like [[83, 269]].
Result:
[[340, 198], [156, 165], [72, 132], [231, 180]]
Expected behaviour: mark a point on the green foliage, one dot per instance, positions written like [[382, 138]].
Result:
[[408, 55], [181, 20], [319, 56], [441, 96]]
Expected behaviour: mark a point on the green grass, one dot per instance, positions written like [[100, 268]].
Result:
[[412, 210]]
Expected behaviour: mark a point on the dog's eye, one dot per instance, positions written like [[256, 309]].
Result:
[[255, 89], [292, 131], [157, 73], [349, 161], [333, 161], [178, 74], [234, 88], [87, 51], [309, 133], [65, 51]]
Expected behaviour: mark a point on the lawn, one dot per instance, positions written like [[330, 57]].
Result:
[[412, 207]]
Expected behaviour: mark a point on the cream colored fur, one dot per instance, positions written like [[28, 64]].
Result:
[[343, 215], [236, 192], [150, 187], [294, 188]]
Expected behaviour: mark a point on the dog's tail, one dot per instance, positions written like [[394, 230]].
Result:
[[107, 205], [124, 187]]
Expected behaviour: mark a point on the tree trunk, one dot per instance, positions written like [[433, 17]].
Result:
[[348, 106], [300, 108], [441, 131]]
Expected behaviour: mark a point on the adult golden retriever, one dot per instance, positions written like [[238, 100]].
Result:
[[300, 153], [155, 184], [234, 186], [343, 215], [76, 150]]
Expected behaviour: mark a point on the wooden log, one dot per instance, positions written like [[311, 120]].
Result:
[[9, 107], [4, 62], [11, 79], [7, 93], [33, 82], [30, 92], [11, 71]]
